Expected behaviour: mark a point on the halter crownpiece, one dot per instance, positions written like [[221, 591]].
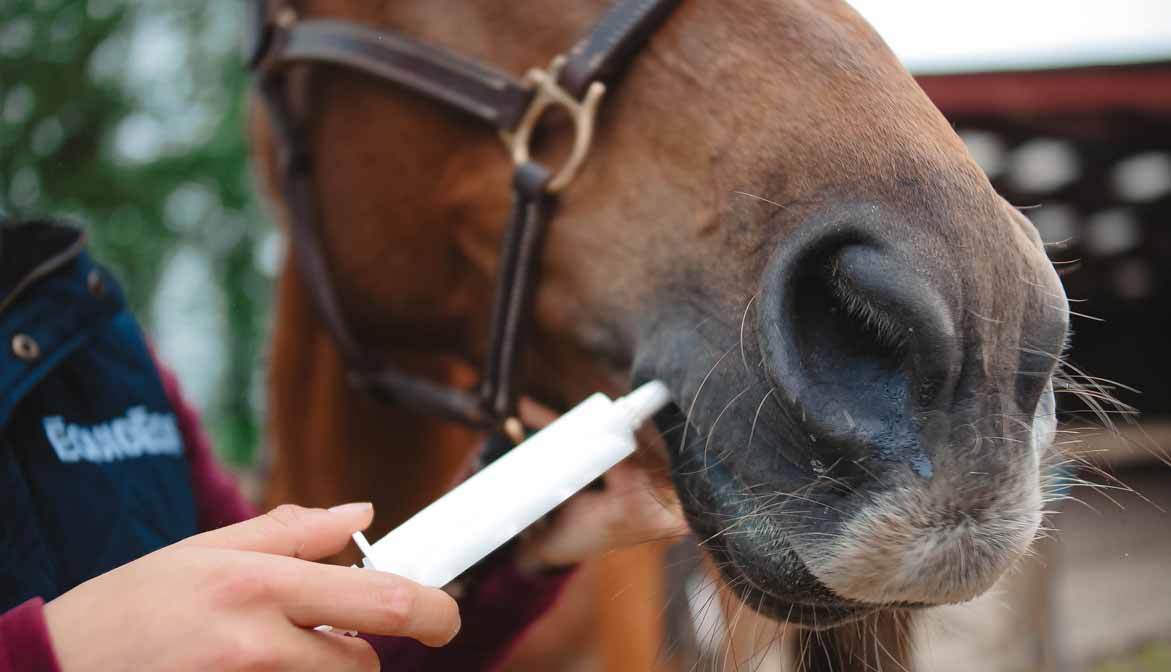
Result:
[[280, 39]]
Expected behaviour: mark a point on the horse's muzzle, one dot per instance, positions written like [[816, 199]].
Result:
[[894, 402]]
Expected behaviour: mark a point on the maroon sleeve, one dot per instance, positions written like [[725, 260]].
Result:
[[218, 501], [495, 616], [24, 640]]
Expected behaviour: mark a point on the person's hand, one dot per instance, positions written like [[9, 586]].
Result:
[[246, 597], [631, 509]]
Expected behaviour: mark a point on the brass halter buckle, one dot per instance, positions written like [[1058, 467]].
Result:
[[548, 93]]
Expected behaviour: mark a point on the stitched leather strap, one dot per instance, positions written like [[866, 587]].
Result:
[[384, 383], [612, 42], [297, 189], [485, 93], [515, 281]]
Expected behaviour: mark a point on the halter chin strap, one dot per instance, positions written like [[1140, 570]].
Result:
[[280, 39]]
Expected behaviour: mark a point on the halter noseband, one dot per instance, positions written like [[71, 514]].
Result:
[[279, 39]]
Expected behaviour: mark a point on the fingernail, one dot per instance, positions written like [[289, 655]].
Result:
[[352, 507]]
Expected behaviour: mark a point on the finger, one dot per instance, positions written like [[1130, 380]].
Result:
[[624, 477], [294, 531], [365, 600], [657, 503], [534, 414], [583, 527], [340, 652], [595, 522], [309, 651]]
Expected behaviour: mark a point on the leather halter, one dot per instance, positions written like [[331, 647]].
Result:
[[280, 39]]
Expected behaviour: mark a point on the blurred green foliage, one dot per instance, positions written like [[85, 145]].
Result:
[[1152, 658], [127, 117]]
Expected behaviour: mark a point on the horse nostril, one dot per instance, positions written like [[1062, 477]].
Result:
[[859, 347]]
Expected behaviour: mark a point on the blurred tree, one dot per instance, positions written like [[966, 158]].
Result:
[[127, 116]]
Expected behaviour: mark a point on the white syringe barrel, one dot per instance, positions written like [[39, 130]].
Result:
[[445, 539]]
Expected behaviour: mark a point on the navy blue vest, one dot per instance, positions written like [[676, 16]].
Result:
[[92, 466]]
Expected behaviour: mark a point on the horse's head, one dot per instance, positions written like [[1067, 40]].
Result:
[[776, 221]]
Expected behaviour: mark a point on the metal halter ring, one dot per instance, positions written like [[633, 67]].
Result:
[[549, 94]]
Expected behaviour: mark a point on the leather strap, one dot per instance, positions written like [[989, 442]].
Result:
[[485, 93], [515, 281], [384, 383], [254, 38], [613, 41], [279, 40], [297, 188]]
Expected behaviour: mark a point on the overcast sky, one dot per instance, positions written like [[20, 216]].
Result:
[[966, 35]]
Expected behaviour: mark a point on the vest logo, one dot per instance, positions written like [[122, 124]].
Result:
[[138, 433]]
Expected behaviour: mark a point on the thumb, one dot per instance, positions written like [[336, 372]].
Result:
[[294, 531]]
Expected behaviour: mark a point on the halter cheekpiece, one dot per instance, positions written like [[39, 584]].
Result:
[[279, 39]]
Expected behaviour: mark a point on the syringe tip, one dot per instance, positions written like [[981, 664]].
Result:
[[641, 404]]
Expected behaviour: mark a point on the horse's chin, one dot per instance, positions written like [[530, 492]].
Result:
[[818, 615], [808, 616], [776, 584], [781, 610], [762, 569]]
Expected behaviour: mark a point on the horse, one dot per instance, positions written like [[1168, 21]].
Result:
[[860, 335]]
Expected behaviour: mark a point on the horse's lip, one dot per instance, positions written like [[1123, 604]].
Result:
[[813, 616], [782, 608], [808, 614], [848, 609], [797, 612]]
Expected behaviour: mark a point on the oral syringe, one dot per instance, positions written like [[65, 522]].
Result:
[[478, 516]]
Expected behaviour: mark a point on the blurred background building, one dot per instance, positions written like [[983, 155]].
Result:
[[128, 117]]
